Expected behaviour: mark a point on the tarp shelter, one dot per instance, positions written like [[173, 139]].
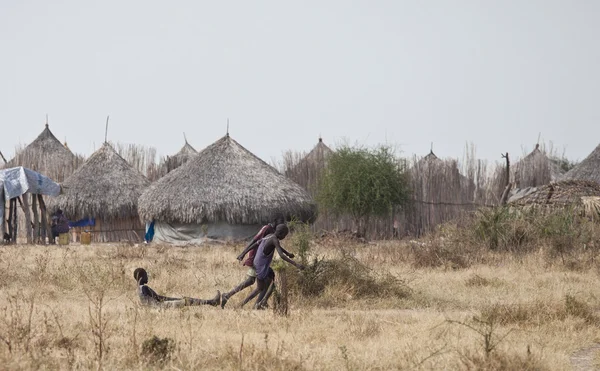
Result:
[[17, 181]]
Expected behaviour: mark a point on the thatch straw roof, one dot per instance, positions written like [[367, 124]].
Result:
[[307, 170], [46, 155], [319, 154], [184, 155], [105, 186], [224, 182], [535, 169], [588, 169], [559, 194]]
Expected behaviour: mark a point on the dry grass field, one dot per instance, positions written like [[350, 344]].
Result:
[[76, 307]]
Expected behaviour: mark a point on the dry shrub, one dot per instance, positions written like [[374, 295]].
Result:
[[539, 313], [259, 358], [501, 228], [522, 314], [580, 309], [157, 351], [479, 281], [348, 275], [435, 254], [499, 361], [359, 328]]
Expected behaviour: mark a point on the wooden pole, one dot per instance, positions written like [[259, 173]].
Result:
[[2, 222], [27, 212], [281, 305], [10, 219], [44, 226], [36, 219], [15, 221], [507, 184]]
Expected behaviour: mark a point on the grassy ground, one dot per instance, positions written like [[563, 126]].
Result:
[[76, 307]]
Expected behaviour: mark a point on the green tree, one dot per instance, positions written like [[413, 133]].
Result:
[[363, 183]]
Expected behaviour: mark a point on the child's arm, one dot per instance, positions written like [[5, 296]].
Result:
[[285, 257], [250, 247]]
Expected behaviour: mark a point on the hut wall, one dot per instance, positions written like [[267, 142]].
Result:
[[119, 230], [197, 233]]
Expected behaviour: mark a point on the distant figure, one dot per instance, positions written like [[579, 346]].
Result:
[[60, 224], [396, 226], [150, 297]]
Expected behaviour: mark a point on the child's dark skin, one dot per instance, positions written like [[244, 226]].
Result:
[[263, 282]]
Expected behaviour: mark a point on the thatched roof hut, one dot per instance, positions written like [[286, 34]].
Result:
[[307, 171], [223, 192], [47, 155], [184, 155], [559, 194], [536, 169], [588, 169], [105, 188]]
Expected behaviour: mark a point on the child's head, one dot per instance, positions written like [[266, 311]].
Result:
[[281, 231], [140, 275]]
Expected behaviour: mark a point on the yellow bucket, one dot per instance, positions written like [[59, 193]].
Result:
[[63, 239], [86, 238]]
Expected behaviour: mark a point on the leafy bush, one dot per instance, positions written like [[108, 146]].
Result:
[[362, 183]]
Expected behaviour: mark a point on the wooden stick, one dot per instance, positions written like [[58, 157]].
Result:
[[15, 222], [27, 212], [44, 218], [10, 219], [36, 219]]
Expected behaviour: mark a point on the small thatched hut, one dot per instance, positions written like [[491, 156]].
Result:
[[47, 155], [307, 171], [225, 192], [579, 194], [535, 169], [105, 189], [588, 169], [184, 155]]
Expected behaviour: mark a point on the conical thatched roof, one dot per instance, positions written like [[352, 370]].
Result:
[[173, 162], [105, 186], [46, 155], [307, 171], [224, 182], [535, 169], [588, 169], [319, 154], [559, 194]]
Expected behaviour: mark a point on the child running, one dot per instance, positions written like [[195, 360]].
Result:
[[250, 250], [262, 263]]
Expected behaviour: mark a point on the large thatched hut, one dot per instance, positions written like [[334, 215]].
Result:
[[47, 155], [184, 155], [588, 169], [105, 189], [225, 192]]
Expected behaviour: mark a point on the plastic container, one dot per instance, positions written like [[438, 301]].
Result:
[[63, 239], [86, 238]]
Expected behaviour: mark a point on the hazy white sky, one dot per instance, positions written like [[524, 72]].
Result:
[[496, 73]]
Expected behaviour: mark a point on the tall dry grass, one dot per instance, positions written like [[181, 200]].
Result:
[[434, 303]]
